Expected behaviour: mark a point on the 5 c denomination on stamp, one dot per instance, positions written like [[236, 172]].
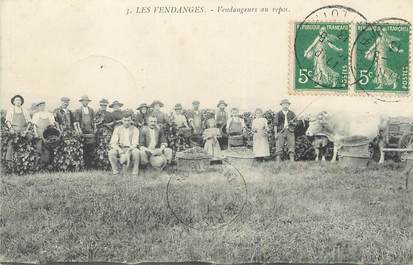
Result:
[[382, 57], [321, 56]]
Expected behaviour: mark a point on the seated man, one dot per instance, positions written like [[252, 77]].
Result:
[[153, 145], [124, 146]]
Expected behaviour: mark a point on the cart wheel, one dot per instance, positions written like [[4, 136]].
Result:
[[405, 141]]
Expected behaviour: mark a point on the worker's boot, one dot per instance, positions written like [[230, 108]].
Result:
[[291, 157]]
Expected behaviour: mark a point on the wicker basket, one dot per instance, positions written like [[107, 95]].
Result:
[[193, 164], [243, 159], [51, 137]]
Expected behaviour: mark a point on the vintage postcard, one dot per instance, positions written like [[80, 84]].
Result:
[[220, 132]]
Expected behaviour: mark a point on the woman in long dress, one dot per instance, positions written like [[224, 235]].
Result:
[[317, 51], [211, 135], [261, 147], [384, 76]]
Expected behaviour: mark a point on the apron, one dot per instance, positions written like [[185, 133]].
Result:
[[18, 124], [41, 126], [197, 121], [261, 147], [235, 128]]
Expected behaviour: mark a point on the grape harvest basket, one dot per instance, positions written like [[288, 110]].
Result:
[[193, 159], [239, 156]]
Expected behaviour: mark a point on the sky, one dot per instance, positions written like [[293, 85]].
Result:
[[51, 49]]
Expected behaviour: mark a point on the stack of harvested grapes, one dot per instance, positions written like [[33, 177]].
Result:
[[68, 155]]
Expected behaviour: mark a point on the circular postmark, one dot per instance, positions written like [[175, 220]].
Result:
[[380, 60], [206, 199], [321, 48]]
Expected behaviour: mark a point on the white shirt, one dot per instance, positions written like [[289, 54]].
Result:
[[85, 110], [43, 115], [285, 119], [12, 110], [125, 137]]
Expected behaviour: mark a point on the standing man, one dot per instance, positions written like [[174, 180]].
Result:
[[103, 115], [124, 144], [161, 117], [63, 116], [154, 148], [85, 126], [194, 117], [141, 118], [285, 123], [221, 118]]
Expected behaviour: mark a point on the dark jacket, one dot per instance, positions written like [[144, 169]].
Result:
[[65, 120], [280, 118], [145, 137], [78, 117]]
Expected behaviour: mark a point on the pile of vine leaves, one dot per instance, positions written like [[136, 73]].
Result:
[[26, 158]]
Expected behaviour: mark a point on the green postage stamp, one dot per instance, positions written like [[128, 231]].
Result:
[[321, 56], [382, 57]]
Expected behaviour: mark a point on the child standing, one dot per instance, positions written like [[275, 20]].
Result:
[[211, 135], [261, 147], [235, 129]]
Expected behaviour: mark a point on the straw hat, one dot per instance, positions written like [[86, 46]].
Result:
[[64, 99], [178, 106]]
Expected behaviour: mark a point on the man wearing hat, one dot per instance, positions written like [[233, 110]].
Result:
[[161, 117], [153, 145], [63, 115], [103, 115], [17, 117], [284, 127], [178, 118], [194, 117], [141, 117], [42, 119], [221, 118], [117, 113], [17, 120], [85, 126]]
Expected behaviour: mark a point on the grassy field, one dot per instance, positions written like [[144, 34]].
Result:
[[294, 212]]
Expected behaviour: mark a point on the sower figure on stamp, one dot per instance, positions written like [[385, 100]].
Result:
[[85, 126], [63, 116], [153, 145], [124, 146], [285, 122]]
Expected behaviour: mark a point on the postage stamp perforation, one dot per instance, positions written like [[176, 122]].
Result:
[[392, 95], [292, 55]]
